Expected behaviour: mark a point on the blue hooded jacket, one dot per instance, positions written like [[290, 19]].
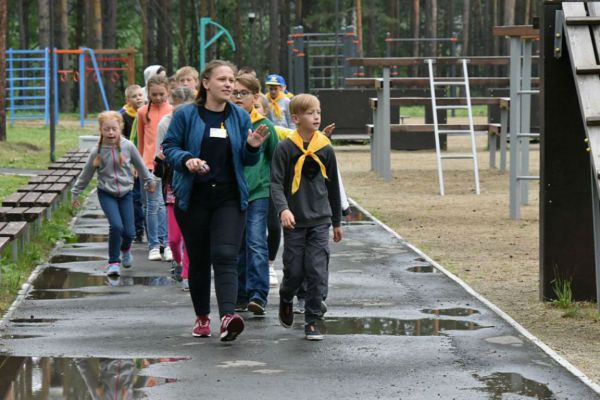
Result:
[[184, 141]]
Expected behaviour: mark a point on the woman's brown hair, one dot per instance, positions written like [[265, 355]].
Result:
[[208, 69]]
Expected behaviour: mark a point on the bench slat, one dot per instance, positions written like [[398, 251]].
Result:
[[30, 199], [15, 214], [46, 199], [12, 200], [12, 229]]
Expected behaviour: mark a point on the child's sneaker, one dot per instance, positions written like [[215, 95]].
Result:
[[113, 269], [185, 285], [126, 258], [231, 326], [312, 332], [202, 326], [176, 270], [256, 308], [167, 254], [273, 281], [154, 254], [286, 314], [241, 306], [299, 307]]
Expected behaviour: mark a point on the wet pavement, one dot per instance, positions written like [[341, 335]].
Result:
[[397, 328]]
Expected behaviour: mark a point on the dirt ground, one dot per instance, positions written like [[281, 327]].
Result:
[[473, 236]]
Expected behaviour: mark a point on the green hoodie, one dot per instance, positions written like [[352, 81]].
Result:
[[258, 176]]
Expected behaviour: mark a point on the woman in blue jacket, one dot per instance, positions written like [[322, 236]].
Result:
[[208, 144]]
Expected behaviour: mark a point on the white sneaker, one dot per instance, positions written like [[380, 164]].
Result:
[[273, 281], [167, 254], [185, 285], [154, 254]]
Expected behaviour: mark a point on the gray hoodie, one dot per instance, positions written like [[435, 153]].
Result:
[[113, 178]]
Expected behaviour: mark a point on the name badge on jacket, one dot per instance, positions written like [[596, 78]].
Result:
[[218, 133]]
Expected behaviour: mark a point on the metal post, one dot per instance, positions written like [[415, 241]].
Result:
[[337, 47], [384, 110], [378, 133], [525, 99], [82, 88], [55, 60], [47, 86], [596, 228], [11, 86], [374, 137], [515, 111]]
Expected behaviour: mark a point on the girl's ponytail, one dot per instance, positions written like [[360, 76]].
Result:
[[98, 159]]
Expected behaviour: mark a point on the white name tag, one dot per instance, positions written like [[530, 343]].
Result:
[[218, 133]]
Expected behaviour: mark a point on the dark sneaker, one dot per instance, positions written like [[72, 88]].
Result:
[[312, 332], [231, 326], [241, 306], [139, 237], [176, 270], [286, 314], [256, 308], [202, 326]]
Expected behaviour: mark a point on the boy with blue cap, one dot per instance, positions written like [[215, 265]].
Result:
[[279, 103]]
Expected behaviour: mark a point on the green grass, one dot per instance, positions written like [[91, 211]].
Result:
[[28, 143], [37, 250], [563, 292], [419, 111], [10, 184]]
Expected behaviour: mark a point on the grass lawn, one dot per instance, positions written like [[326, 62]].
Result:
[[28, 143], [10, 184]]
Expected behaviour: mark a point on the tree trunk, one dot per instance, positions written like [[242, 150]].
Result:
[[509, 12], [162, 38], [44, 24], [23, 18], [79, 22], [431, 26], [274, 37], [372, 27], [109, 41], [151, 33], [169, 29], [466, 26], [416, 22], [284, 30], [3, 34], [65, 60], [238, 37], [194, 48]]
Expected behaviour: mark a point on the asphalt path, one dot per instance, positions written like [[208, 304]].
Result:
[[398, 327]]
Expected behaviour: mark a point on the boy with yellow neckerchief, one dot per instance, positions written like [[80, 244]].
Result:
[[279, 104], [306, 195]]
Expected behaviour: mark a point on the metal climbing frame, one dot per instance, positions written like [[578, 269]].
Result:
[[28, 79], [521, 44], [433, 83], [319, 60]]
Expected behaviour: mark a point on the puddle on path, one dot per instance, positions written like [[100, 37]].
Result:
[[395, 327], [68, 258], [33, 320], [427, 269], [24, 378], [452, 312], [16, 337], [91, 237], [501, 384], [58, 283]]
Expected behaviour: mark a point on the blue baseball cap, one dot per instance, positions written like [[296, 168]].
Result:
[[275, 79]]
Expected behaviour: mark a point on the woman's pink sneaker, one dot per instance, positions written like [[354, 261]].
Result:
[[202, 326]]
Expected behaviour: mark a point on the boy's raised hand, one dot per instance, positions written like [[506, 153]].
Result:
[[256, 138], [337, 234], [328, 130], [287, 219]]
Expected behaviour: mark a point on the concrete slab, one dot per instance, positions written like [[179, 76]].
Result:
[[397, 327]]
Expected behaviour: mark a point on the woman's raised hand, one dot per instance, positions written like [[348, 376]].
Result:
[[256, 138]]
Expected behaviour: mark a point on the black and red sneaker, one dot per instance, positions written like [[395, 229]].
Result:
[[231, 326]]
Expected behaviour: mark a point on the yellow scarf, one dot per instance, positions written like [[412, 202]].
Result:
[[317, 142], [274, 104], [130, 110], [255, 116]]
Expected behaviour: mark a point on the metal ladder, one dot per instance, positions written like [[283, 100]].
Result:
[[473, 155]]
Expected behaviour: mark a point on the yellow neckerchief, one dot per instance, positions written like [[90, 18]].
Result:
[[255, 116], [132, 112], [274, 105], [317, 142], [283, 133]]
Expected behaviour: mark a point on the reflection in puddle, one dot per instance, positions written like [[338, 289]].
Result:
[[33, 320], [452, 312], [91, 237], [15, 337], [24, 378], [93, 215], [395, 327], [500, 383], [68, 258], [53, 278], [424, 269], [66, 294], [356, 216]]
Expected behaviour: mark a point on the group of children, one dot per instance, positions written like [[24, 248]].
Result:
[[294, 184]]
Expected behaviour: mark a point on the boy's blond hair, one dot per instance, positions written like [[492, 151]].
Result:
[[302, 102], [187, 70], [129, 90]]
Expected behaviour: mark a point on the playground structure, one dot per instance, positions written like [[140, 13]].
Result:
[[319, 60], [569, 200], [27, 68], [203, 24]]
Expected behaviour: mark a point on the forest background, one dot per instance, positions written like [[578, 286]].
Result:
[[165, 32]]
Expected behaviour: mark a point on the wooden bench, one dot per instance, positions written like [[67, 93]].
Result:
[[17, 233], [32, 199]]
